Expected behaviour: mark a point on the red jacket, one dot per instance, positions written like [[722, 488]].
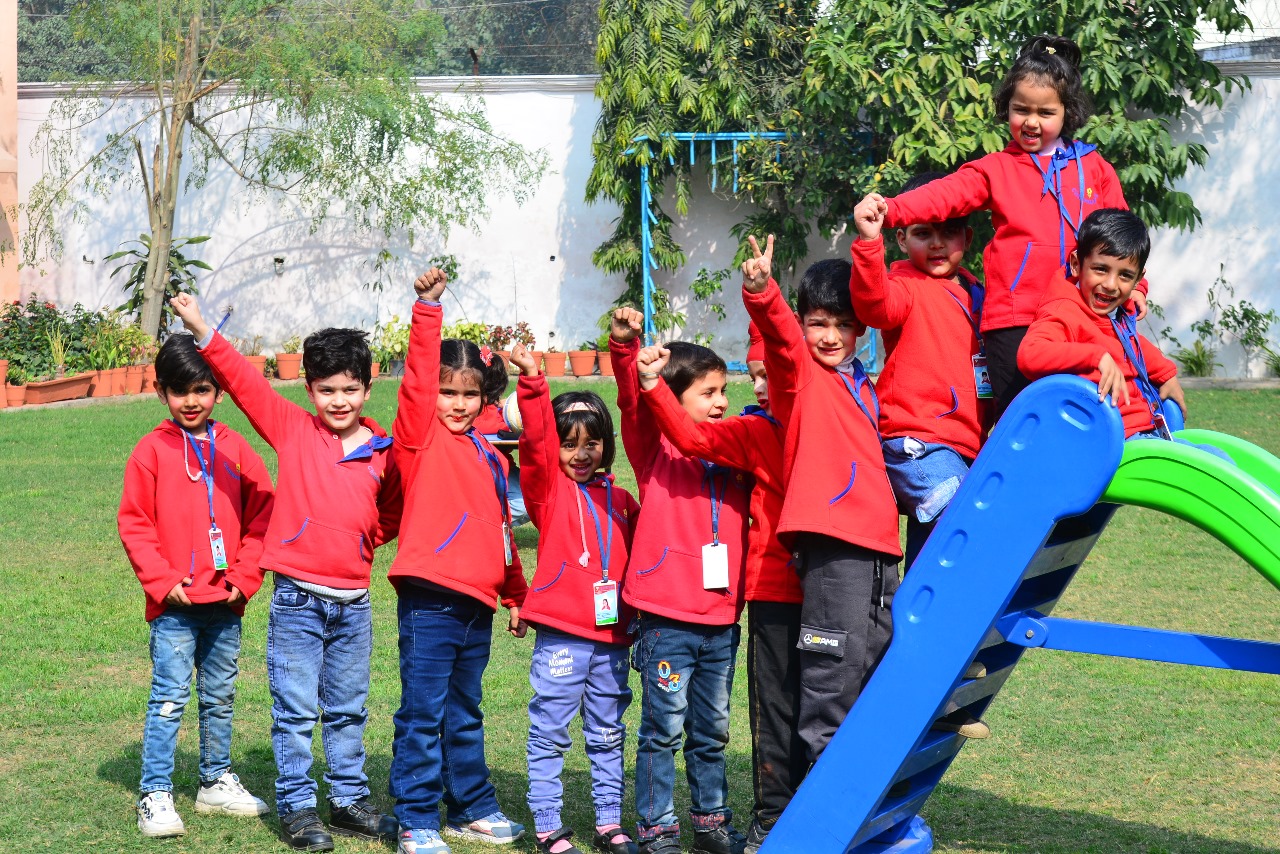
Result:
[[751, 442], [835, 478], [1068, 338], [665, 575], [560, 595], [164, 516], [927, 388], [332, 509], [1032, 238], [453, 516]]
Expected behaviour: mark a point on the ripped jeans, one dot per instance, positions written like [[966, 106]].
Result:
[[204, 639]]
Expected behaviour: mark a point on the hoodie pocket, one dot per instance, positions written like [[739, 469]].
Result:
[[552, 583], [316, 543], [474, 537], [677, 561], [1040, 261], [853, 475]]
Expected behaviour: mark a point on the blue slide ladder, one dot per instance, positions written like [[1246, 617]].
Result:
[[982, 588]]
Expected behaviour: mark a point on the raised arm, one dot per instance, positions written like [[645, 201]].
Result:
[[727, 443], [786, 357], [877, 300], [639, 430], [962, 192], [256, 501], [539, 442], [416, 407]]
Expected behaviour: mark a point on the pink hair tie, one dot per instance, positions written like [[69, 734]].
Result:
[[486, 355]]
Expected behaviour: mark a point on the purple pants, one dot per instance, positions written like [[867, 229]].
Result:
[[571, 674]]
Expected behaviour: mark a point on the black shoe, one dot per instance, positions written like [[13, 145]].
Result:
[[564, 834], [725, 839], [667, 843], [303, 830], [756, 834], [603, 842], [362, 819]]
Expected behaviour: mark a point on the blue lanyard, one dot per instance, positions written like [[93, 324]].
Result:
[[206, 472], [1055, 171], [495, 470], [860, 379], [1126, 330], [606, 547], [976, 296], [709, 472]]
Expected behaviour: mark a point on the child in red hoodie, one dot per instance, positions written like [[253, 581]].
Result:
[[337, 500], [1082, 328], [456, 559], [686, 579], [838, 514], [752, 442], [192, 518], [934, 405], [1039, 189], [579, 663]]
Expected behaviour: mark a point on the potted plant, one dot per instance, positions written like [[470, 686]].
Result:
[[606, 358], [58, 386], [136, 344], [4, 373], [500, 338], [553, 359], [251, 349], [289, 359], [583, 360], [15, 391], [522, 334], [390, 344]]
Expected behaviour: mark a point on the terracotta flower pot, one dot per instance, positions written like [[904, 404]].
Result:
[[555, 363], [101, 386], [117, 376], [606, 363], [374, 369], [583, 362], [259, 363], [67, 388], [15, 395], [537, 358], [288, 365], [506, 357], [148, 378], [133, 379], [4, 373]]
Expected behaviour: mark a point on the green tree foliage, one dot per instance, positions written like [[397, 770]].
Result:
[[875, 90], [309, 99], [505, 37], [48, 49]]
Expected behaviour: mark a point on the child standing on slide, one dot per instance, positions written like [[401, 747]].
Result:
[[579, 664], [1039, 189]]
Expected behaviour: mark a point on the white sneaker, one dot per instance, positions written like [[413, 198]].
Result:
[[228, 796], [157, 818]]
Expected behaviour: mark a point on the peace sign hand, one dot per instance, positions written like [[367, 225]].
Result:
[[757, 270]]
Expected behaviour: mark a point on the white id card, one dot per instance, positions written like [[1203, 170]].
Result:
[[982, 378], [506, 542], [605, 594], [715, 566], [218, 548]]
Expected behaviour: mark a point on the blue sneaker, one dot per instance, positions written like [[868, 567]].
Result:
[[421, 841], [495, 828]]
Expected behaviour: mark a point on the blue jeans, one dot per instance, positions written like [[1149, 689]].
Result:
[[438, 751], [515, 498], [318, 669], [686, 675], [571, 674], [925, 477], [206, 639]]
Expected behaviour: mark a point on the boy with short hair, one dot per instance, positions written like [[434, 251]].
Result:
[[838, 512], [934, 407], [338, 498], [192, 518], [1082, 327]]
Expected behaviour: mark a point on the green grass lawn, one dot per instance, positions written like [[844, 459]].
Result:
[[1088, 754]]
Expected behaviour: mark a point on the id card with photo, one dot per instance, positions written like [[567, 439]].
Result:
[[982, 378], [218, 548], [605, 594]]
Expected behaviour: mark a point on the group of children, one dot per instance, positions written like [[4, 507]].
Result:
[[790, 509]]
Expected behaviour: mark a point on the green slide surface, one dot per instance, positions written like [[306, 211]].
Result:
[[1231, 503]]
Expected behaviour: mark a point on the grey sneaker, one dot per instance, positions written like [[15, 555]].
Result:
[[495, 828], [421, 841], [228, 796], [157, 817]]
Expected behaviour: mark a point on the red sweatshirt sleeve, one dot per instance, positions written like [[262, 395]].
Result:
[[726, 443], [878, 300], [962, 192], [539, 447], [138, 527], [416, 408], [256, 500], [1160, 368], [786, 357], [267, 411], [514, 587], [390, 503], [639, 430], [1048, 349]]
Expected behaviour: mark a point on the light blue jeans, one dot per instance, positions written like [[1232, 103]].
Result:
[[318, 670], [204, 639], [925, 476]]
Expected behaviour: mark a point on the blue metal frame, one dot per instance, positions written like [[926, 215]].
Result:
[[647, 217]]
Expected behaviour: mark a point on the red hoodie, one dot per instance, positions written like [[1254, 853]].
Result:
[[453, 515], [164, 515], [835, 478], [560, 595], [1033, 238], [676, 493], [750, 442], [332, 509], [1068, 338], [927, 389]]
